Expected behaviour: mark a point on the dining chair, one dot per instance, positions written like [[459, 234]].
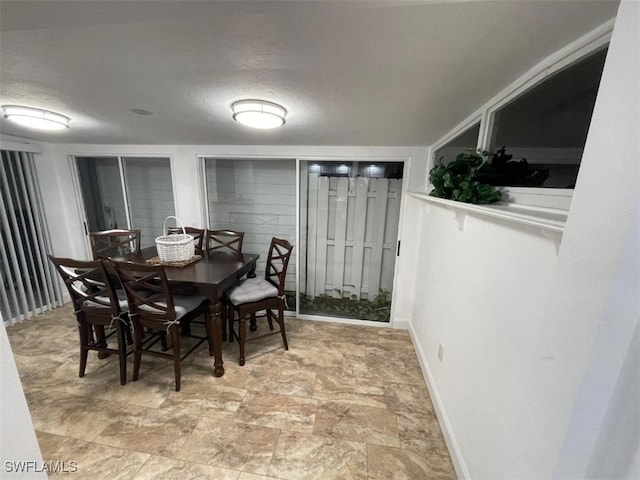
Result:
[[156, 313], [255, 294], [225, 241], [109, 243], [198, 235], [96, 306], [229, 241]]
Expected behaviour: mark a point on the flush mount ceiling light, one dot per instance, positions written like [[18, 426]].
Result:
[[259, 113], [35, 117]]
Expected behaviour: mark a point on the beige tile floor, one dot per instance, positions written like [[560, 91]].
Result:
[[344, 402]]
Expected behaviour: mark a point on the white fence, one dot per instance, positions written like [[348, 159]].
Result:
[[349, 231]]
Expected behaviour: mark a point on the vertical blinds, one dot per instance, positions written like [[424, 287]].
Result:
[[28, 282]]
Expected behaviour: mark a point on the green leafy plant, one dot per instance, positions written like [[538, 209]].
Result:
[[460, 180], [502, 170], [377, 310]]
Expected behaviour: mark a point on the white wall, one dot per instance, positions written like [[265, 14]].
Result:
[[596, 293], [60, 206], [617, 453], [481, 293], [534, 343]]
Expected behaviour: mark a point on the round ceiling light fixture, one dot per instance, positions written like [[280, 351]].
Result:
[[36, 117], [259, 113]]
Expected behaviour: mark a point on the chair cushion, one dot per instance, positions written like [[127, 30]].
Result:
[[252, 290], [183, 304], [122, 300]]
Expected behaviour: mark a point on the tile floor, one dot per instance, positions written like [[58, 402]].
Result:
[[345, 402]]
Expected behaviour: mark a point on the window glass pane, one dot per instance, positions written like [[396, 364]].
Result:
[[349, 214], [467, 139], [102, 193], [548, 124], [150, 195], [257, 197]]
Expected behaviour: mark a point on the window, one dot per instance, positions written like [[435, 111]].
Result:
[[150, 195], [467, 139], [131, 192], [257, 197], [548, 124]]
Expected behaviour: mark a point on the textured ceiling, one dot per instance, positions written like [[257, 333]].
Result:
[[349, 72]]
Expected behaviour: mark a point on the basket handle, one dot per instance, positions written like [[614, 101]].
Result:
[[164, 225]]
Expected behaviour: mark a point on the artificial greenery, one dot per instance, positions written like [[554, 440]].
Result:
[[471, 178], [377, 310], [459, 180], [502, 170]]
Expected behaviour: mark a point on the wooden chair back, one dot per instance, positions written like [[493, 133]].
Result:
[[229, 241], [198, 235], [278, 262], [113, 243], [147, 290]]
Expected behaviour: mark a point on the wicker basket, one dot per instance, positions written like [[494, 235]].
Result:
[[178, 247]]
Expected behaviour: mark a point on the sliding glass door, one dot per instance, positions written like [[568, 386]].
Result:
[[126, 192], [349, 215], [257, 197]]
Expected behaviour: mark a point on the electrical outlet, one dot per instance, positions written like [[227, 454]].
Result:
[[440, 352]]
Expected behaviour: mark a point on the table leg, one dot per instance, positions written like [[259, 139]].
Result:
[[215, 338]]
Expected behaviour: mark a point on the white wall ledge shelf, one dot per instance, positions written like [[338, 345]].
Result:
[[550, 222]]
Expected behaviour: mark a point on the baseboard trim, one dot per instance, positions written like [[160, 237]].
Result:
[[401, 323], [457, 459]]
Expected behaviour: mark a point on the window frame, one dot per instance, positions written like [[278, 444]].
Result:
[[468, 124], [119, 158], [553, 198]]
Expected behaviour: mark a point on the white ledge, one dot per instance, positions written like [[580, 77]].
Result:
[[547, 219]]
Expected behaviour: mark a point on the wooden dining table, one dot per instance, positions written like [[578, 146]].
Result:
[[210, 276]]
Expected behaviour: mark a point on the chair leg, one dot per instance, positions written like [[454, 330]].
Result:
[[101, 340], [209, 332], [242, 333], [282, 330], [84, 351], [252, 322], [138, 335], [224, 313], [269, 319], [127, 331], [230, 314], [186, 328], [122, 353], [175, 341]]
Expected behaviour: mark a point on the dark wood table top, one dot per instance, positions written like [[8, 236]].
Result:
[[216, 271], [211, 269]]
